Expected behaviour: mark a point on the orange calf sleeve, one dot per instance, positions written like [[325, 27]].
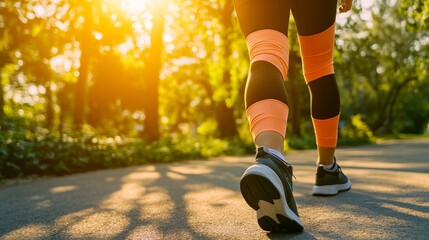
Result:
[[326, 131], [317, 54], [268, 115], [270, 46]]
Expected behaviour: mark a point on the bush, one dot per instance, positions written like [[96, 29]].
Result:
[[299, 143], [52, 155], [39, 155], [25, 152], [355, 131]]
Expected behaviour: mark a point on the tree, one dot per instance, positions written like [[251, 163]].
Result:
[[416, 13], [383, 59], [11, 30], [295, 84], [154, 69], [85, 41], [30, 38], [206, 67], [225, 113]]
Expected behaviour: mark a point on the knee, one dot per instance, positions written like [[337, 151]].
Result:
[[270, 46], [317, 54]]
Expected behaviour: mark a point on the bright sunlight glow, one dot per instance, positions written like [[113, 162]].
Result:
[[133, 6]]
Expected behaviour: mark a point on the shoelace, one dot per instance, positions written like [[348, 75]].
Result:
[[288, 166]]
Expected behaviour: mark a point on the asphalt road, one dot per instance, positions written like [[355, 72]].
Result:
[[389, 199]]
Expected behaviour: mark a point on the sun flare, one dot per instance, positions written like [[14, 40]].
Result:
[[134, 6]]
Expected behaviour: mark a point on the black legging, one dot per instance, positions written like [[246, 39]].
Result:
[[311, 17]]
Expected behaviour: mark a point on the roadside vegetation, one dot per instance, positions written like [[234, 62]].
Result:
[[94, 84]]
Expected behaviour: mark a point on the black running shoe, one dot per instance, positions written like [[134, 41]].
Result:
[[331, 183], [267, 187]]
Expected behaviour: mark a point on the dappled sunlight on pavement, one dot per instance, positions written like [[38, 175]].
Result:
[[30, 231], [109, 222], [389, 199]]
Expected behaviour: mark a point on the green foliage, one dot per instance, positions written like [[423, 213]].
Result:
[[307, 141], [417, 13], [378, 60], [37, 154], [381, 68], [24, 154], [355, 131]]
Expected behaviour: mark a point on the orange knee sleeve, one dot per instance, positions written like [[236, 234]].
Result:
[[317, 54], [270, 46], [268, 115], [326, 131]]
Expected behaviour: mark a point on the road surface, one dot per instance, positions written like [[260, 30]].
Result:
[[389, 199]]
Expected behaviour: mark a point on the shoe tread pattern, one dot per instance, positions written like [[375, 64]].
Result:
[[255, 188]]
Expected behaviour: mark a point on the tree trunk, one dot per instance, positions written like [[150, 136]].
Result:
[[387, 117], [4, 58], [82, 82], [64, 99], [49, 107], [294, 102], [2, 102], [226, 120], [154, 66], [225, 114]]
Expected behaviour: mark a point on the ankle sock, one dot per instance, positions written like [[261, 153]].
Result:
[[276, 153], [331, 167]]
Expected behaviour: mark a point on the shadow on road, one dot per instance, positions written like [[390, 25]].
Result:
[[201, 200]]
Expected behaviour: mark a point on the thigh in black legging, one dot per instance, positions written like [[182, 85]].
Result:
[[313, 16], [265, 81], [256, 15]]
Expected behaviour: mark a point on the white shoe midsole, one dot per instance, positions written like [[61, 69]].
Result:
[[280, 206], [331, 189]]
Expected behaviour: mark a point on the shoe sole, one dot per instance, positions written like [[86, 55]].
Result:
[[331, 190], [262, 190]]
